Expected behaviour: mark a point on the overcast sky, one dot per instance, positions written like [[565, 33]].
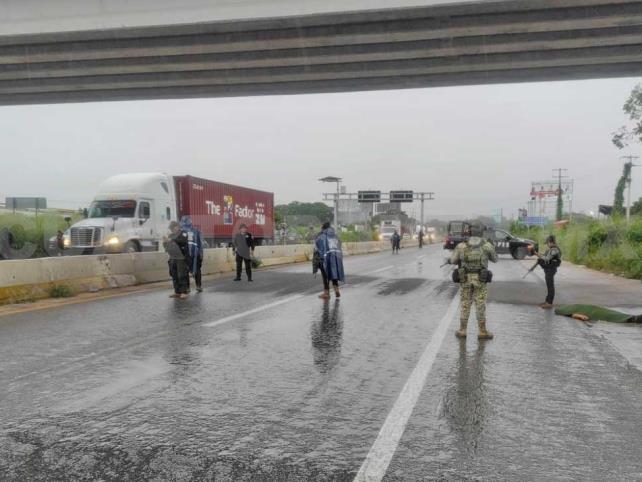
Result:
[[477, 148]]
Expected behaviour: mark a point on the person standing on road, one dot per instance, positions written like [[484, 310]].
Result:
[[176, 246], [395, 239], [472, 257], [420, 237], [550, 261], [244, 248], [195, 248], [328, 258]]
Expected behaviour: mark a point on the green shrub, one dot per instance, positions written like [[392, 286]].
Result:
[[597, 235], [60, 291], [356, 236], [634, 232], [30, 233], [256, 262], [610, 246]]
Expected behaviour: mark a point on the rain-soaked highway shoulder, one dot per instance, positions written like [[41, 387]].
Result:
[[264, 381]]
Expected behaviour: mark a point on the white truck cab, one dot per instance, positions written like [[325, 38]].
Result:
[[130, 213], [388, 228]]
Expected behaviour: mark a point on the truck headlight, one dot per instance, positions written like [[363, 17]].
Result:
[[113, 241], [66, 242]]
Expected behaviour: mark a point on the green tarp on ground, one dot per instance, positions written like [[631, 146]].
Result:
[[594, 313]]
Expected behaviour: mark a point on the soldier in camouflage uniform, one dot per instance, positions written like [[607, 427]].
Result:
[[472, 257]]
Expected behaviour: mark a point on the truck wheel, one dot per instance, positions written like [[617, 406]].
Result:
[[520, 253], [131, 247]]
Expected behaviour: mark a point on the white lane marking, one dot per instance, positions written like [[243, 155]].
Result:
[[253, 311], [376, 463], [385, 268]]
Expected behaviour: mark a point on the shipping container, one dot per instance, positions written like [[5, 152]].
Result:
[[218, 209]]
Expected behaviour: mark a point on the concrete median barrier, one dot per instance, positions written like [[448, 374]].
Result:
[[33, 279]]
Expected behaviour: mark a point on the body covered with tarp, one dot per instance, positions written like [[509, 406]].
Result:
[[597, 313], [328, 255]]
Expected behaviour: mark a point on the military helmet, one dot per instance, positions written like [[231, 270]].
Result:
[[477, 229]]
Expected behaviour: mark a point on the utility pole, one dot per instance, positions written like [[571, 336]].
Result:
[[628, 186], [560, 203], [423, 199]]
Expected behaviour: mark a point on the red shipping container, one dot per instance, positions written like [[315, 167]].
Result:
[[218, 209]]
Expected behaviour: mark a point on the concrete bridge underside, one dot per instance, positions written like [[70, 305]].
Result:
[[435, 45]]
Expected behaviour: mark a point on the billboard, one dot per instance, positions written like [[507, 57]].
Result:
[[543, 198], [25, 203], [544, 189]]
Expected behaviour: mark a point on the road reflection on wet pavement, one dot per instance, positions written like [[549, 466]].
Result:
[[264, 381]]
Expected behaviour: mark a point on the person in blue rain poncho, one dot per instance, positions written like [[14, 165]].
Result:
[[195, 249], [328, 258]]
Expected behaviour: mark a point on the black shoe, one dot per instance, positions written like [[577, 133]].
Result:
[[237, 279], [250, 280], [199, 289]]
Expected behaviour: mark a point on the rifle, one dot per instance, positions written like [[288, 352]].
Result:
[[531, 269]]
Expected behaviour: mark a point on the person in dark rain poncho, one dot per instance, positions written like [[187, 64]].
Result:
[[195, 248], [328, 259]]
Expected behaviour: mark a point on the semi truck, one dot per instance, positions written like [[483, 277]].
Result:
[[132, 212], [387, 229]]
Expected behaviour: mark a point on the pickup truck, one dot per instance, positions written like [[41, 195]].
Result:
[[504, 242], [457, 232]]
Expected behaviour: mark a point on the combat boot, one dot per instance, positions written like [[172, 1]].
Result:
[[484, 334], [461, 333], [337, 293], [325, 295]]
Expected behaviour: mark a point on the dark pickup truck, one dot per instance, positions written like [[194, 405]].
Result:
[[504, 242], [458, 231]]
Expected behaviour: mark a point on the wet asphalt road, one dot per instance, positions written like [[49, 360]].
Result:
[[263, 381]]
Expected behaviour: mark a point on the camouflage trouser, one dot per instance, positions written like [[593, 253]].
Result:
[[473, 291]]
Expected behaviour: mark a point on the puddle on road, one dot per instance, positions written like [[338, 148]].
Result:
[[401, 286]]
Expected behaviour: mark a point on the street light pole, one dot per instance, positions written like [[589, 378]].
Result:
[[336, 205], [336, 196]]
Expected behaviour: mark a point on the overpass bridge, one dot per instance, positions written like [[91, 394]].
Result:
[[285, 53]]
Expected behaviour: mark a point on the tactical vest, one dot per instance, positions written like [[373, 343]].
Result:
[[473, 259]]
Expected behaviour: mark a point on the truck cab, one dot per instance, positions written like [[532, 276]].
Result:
[[130, 213], [506, 243], [388, 228]]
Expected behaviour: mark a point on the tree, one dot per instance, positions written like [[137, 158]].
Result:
[[560, 205], [618, 202], [636, 208], [633, 108], [303, 214]]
